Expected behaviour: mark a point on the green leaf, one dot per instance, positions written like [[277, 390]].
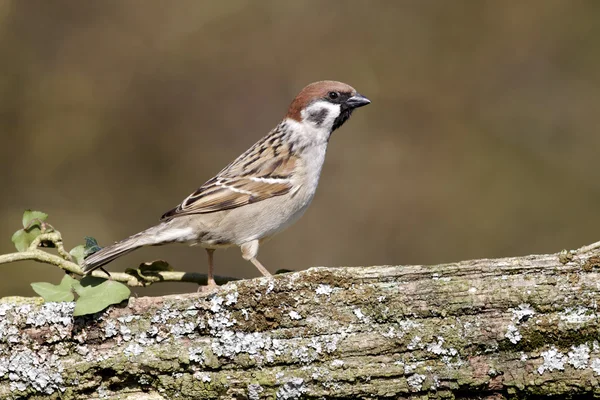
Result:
[[30, 217], [20, 240], [32, 228], [88, 282], [23, 238], [60, 292], [91, 246], [77, 253], [95, 294]]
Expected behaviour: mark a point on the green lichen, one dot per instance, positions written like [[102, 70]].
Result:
[[197, 389], [535, 338]]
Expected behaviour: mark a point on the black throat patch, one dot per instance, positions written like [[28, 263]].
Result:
[[345, 114]]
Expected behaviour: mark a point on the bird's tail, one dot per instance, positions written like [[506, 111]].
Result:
[[150, 237]]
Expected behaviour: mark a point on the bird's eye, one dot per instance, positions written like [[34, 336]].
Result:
[[333, 95]]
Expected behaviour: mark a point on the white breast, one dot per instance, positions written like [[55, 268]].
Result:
[[264, 219], [311, 142]]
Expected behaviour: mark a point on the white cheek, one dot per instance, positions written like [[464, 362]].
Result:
[[333, 111]]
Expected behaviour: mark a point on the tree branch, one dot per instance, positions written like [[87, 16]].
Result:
[[492, 328]]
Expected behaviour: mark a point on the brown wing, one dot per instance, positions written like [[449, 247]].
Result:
[[264, 171]]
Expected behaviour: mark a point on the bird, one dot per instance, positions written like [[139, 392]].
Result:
[[260, 193]]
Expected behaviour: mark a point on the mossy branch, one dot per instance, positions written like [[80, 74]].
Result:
[[519, 327]]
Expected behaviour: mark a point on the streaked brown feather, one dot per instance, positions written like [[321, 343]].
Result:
[[269, 158]]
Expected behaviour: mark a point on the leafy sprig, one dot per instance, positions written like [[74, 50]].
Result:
[[91, 293]]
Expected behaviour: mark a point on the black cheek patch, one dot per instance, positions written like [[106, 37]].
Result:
[[318, 117]]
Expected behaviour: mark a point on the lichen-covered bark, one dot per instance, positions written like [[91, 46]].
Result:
[[506, 328]]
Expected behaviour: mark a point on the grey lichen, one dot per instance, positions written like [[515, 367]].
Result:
[[577, 315], [28, 370], [579, 356], [359, 314], [216, 303], [202, 377], [415, 382], [164, 315], [133, 349], [58, 316], [294, 315], [324, 290], [437, 348], [231, 298], [254, 391], [102, 392], [230, 343], [337, 363], [182, 328], [40, 371], [196, 354], [125, 332], [49, 313], [595, 365], [415, 342], [110, 329], [291, 390], [513, 334], [553, 360]]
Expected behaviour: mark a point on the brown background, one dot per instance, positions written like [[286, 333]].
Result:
[[482, 139]]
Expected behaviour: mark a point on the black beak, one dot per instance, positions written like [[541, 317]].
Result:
[[358, 100]]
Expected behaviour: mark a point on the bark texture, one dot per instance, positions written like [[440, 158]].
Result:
[[523, 327]]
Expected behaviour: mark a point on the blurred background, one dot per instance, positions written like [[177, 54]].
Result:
[[481, 141]]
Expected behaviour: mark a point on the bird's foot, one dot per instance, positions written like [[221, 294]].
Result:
[[210, 287]]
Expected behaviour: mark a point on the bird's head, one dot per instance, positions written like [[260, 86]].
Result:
[[326, 105]]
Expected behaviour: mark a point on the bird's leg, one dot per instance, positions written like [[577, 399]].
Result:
[[249, 252], [260, 267], [211, 284]]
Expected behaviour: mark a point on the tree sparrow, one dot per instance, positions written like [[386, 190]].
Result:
[[261, 192]]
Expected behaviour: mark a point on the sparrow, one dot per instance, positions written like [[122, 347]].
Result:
[[262, 192]]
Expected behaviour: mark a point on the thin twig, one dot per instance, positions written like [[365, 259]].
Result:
[[129, 280]]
